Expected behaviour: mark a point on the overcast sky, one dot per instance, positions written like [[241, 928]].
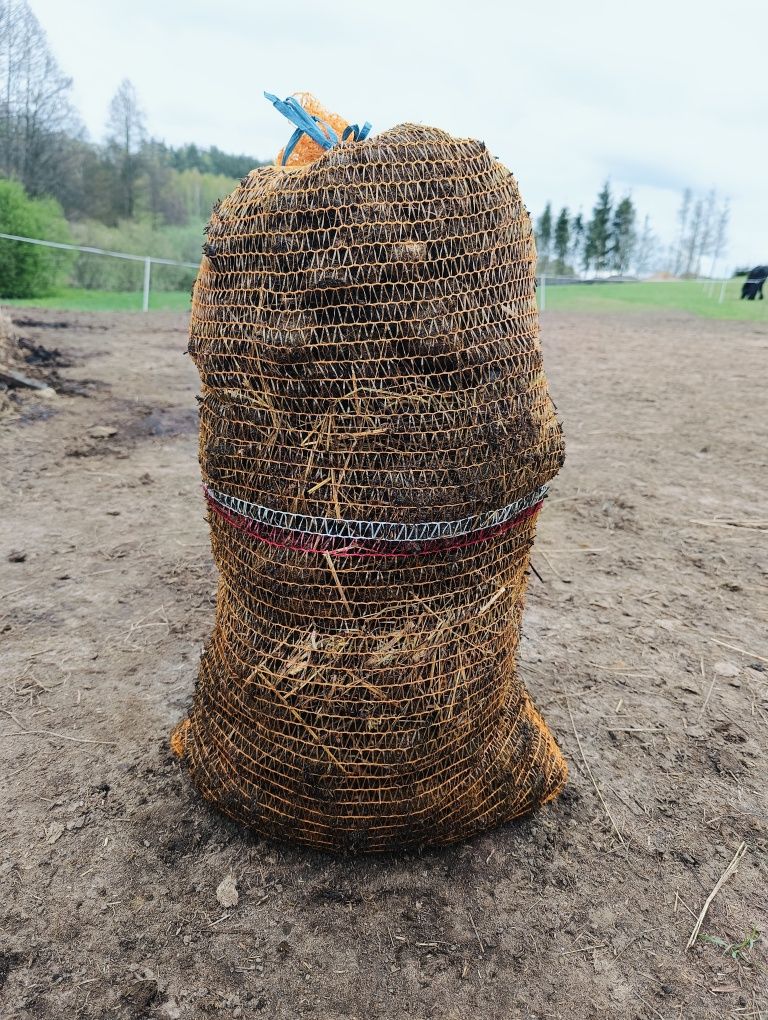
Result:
[[654, 96]]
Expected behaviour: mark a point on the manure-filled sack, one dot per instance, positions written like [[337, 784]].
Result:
[[376, 436]]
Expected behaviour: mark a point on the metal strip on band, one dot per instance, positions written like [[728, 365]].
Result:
[[375, 531]]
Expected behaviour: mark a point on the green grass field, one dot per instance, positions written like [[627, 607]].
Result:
[[75, 299], [684, 296]]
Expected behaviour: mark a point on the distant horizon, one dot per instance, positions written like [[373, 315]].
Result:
[[565, 98]]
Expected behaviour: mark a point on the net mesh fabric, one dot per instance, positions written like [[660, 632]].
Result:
[[366, 333]]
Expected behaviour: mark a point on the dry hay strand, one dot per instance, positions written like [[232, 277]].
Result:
[[9, 356], [8, 341], [733, 865], [366, 334]]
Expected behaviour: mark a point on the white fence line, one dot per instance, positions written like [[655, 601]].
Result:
[[89, 250], [544, 280], [148, 260]]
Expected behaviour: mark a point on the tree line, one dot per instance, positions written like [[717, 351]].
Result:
[[611, 242], [134, 193], [606, 242], [43, 143], [127, 191]]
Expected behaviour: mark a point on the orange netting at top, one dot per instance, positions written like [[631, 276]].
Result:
[[376, 436], [307, 149]]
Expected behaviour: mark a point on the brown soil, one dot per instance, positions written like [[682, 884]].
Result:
[[642, 647]]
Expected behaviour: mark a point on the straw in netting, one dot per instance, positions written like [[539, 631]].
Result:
[[376, 436]]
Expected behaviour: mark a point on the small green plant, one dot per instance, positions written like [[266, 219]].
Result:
[[736, 950]]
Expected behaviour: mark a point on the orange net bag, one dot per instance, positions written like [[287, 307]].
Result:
[[376, 437], [307, 149]]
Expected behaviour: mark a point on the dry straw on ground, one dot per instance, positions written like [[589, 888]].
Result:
[[6, 336], [366, 333]]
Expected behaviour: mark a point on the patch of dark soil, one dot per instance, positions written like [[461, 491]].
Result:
[[41, 364], [137, 999], [45, 357], [170, 421], [8, 960], [89, 450], [30, 413], [329, 894], [31, 323], [123, 435], [77, 388]]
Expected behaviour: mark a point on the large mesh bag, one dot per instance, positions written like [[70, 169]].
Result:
[[376, 436]]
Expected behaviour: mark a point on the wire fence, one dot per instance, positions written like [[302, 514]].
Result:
[[147, 260], [715, 290], [712, 286]]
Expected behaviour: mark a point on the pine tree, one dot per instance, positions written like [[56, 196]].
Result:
[[597, 247], [623, 235], [544, 237], [577, 239], [562, 240]]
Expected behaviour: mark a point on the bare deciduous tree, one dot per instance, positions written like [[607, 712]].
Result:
[[706, 227], [720, 234], [38, 124], [692, 239], [682, 219], [647, 249], [707, 231], [126, 134]]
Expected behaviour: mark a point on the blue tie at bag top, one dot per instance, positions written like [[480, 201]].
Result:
[[311, 126]]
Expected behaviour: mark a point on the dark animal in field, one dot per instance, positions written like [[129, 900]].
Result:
[[753, 285]]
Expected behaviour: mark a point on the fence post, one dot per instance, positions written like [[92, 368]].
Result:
[[147, 273], [722, 291], [543, 302]]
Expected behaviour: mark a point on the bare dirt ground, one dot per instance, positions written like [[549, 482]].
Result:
[[644, 646]]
